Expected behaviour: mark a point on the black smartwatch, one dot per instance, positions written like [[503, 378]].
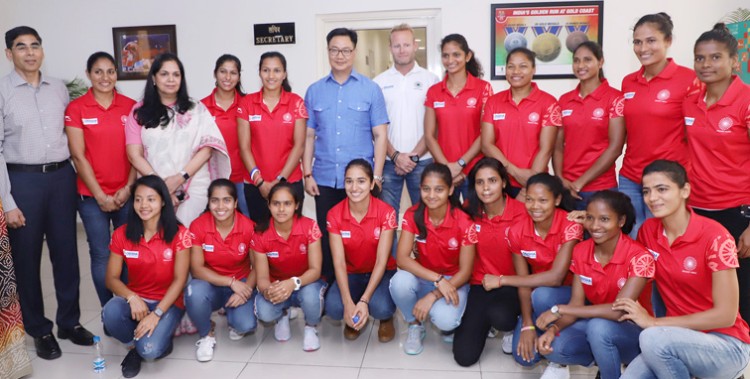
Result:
[[414, 158], [461, 162]]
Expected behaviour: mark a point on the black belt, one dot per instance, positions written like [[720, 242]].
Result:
[[43, 168]]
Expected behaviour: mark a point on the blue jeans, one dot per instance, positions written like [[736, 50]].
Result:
[[202, 298], [542, 299], [97, 225], [634, 191], [393, 186], [309, 298], [380, 306], [674, 352], [406, 289], [241, 200], [117, 321], [609, 343]]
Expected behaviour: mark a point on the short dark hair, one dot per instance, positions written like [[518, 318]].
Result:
[[18, 31], [671, 169], [95, 57], [345, 32], [554, 185], [168, 224]]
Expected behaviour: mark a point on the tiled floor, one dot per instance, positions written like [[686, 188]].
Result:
[[260, 356]]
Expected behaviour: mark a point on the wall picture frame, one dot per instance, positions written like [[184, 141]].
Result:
[[135, 48]]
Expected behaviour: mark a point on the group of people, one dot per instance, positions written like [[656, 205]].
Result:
[[205, 200]]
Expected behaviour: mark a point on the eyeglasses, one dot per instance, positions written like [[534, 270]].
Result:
[[333, 52]]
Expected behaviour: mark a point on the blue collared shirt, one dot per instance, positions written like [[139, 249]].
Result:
[[343, 116]]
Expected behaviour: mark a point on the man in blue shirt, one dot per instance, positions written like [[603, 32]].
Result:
[[348, 120]]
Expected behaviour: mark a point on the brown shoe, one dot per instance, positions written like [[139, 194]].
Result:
[[386, 330], [350, 334]]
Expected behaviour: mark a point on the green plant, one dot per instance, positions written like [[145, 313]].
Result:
[[76, 88], [740, 14]]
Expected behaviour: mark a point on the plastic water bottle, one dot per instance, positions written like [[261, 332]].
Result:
[[99, 363]]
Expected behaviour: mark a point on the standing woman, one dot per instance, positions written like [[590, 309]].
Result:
[[169, 135], [220, 261], [443, 239], [544, 242], [519, 124], [718, 130], [95, 125], [593, 128], [361, 230], [608, 266], [453, 109], [653, 108], [288, 261], [703, 334], [494, 212], [155, 248], [222, 104], [271, 129]]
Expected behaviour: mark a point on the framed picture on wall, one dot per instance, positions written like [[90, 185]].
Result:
[[551, 30], [136, 47]]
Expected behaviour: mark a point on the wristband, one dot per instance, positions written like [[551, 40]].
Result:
[[363, 301], [185, 175], [253, 172], [308, 176], [378, 178], [131, 297], [395, 155], [260, 183], [525, 328], [232, 282]]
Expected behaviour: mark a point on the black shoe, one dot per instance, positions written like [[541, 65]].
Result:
[[47, 347], [78, 335], [167, 352], [598, 375], [131, 365]]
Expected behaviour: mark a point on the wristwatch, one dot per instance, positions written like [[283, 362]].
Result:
[[281, 179], [158, 312], [297, 283], [437, 282], [185, 175], [461, 162], [378, 178], [555, 311]]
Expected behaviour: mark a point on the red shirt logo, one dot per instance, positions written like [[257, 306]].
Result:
[[500, 16], [287, 117], [598, 113], [533, 117], [471, 102], [376, 233], [725, 124], [168, 254], [124, 119], [689, 264], [302, 248], [663, 95], [453, 243], [621, 283], [241, 248]]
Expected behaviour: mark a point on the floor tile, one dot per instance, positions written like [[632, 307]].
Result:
[[378, 373], [74, 366], [291, 371]]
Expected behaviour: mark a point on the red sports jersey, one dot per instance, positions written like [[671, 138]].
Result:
[[151, 263], [719, 148], [287, 257], [439, 252], [361, 238], [226, 120], [226, 256], [518, 126], [458, 117], [653, 117], [493, 256], [104, 136], [684, 270], [585, 123], [272, 132]]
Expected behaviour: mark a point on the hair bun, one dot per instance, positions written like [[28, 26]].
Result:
[[721, 27], [666, 17]]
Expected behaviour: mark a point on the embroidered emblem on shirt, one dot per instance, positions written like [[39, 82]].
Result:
[[287, 117], [533, 117], [621, 282], [663, 95], [689, 264], [598, 113], [453, 243], [471, 102], [376, 232], [241, 247], [725, 124], [168, 254]]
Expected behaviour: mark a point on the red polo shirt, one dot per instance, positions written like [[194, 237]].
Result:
[[719, 148], [440, 251], [493, 255], [458, 117], [518, 126], [226, 256], [272, 132], [226, 120], [602, 284], [653, 117], [151, 263], [287, 257], [684, 270], [540, 253], [585, 122], [104, 136], [361, 238]]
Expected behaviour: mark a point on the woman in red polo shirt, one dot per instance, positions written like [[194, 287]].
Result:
[[220, 262], [593, 128], [288, 261], [519, 124], [703, 334], [222, 104], [453, 109], [653, 108], [543, 241], [443, 238], [155, 248], [361, 230], [494, 212], [717, 120], [607, 266], [271, 127], [94, 124]]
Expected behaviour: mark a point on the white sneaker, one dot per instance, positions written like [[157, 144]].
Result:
[[293, 312], [311, 341], [508, 343], [413, 344], [556, 371], [492, 333], [281, 331], [205, 351], [234, 335]]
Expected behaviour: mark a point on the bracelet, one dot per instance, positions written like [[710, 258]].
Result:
[[308, 176], [525, 328], [437, 281], [395, 155], [363, 301], [260, 183], [253, 172], [555, 325], [131, 297], [378, 178], [232, 282]]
